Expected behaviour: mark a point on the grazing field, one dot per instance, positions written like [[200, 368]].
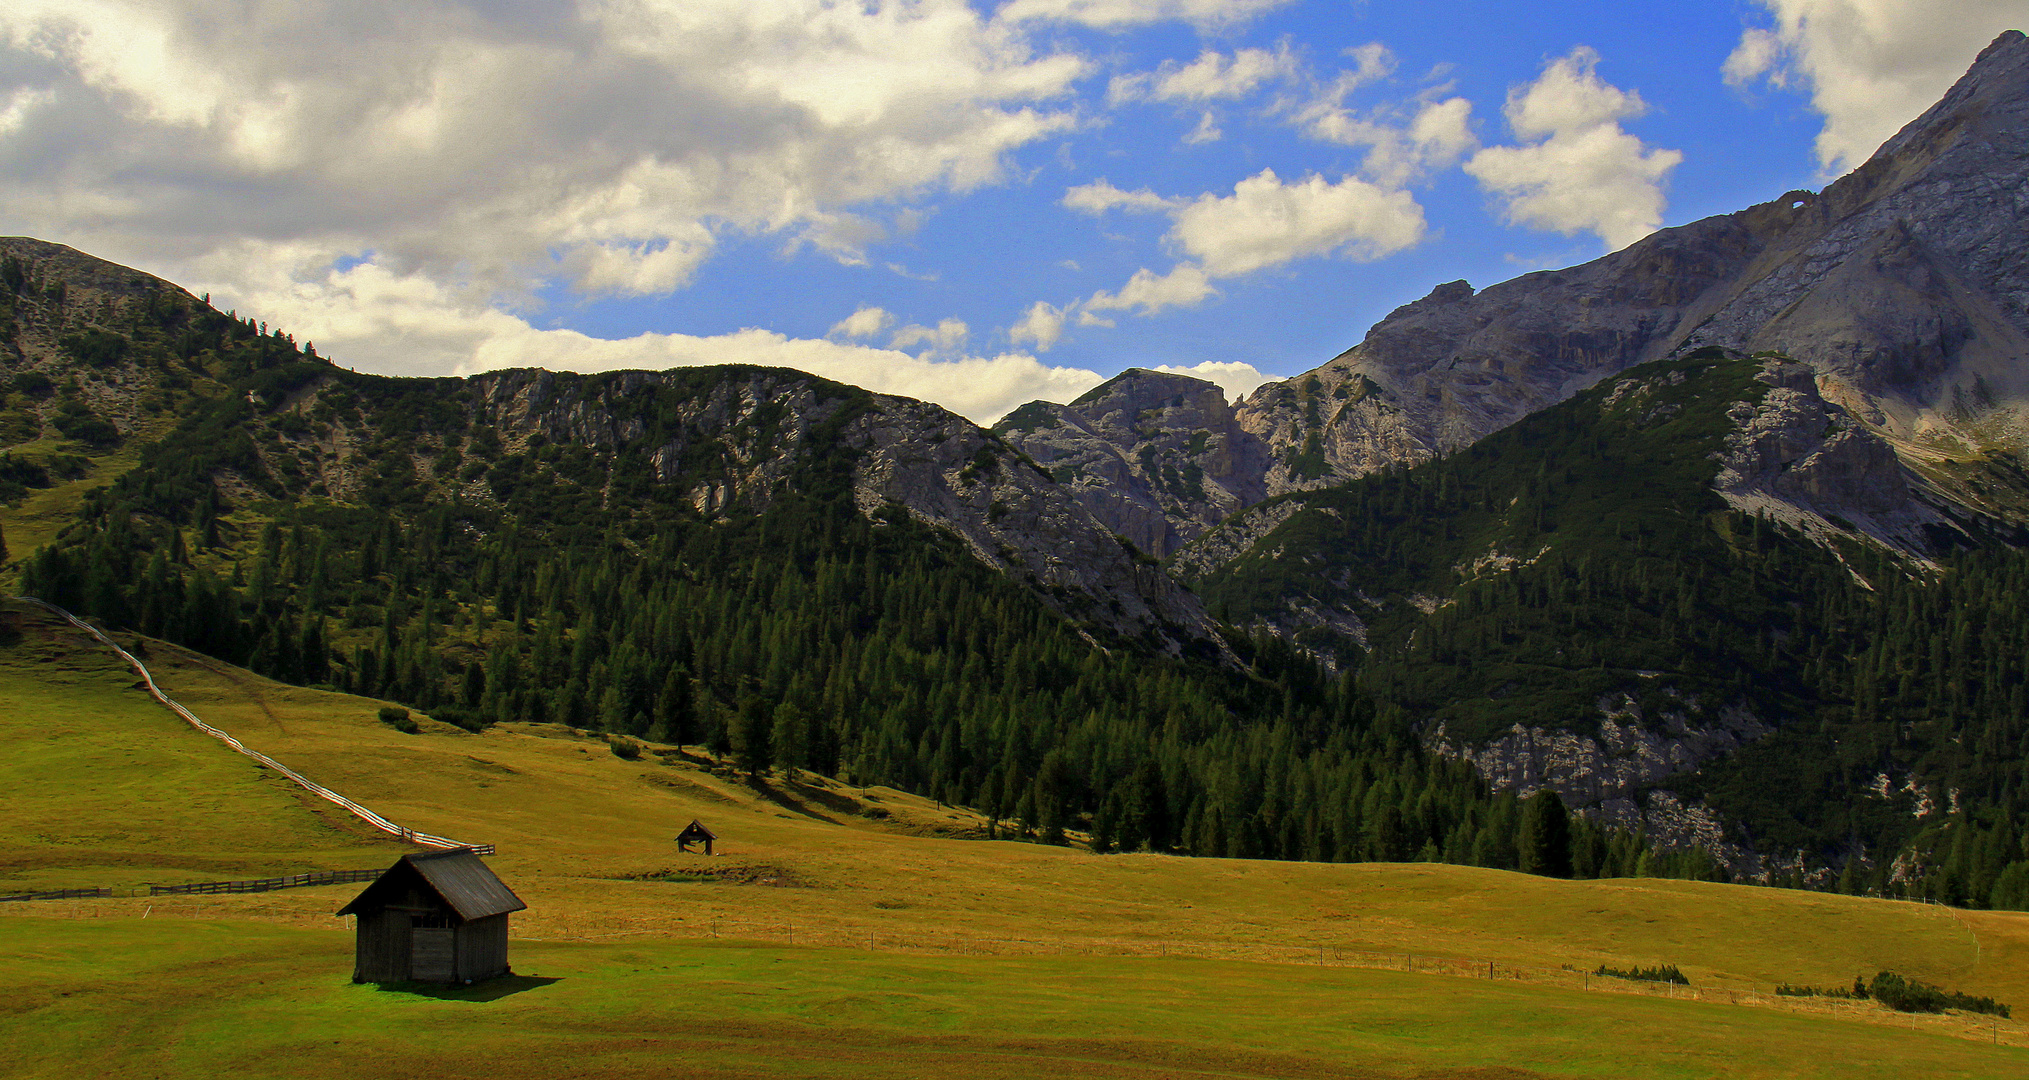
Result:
[[843, 932]]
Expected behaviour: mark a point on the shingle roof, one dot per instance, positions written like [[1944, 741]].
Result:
[[458, 876], [696, 828]]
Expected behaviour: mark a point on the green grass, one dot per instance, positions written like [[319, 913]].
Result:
[[103, 787], [45, 511], [173, 998]]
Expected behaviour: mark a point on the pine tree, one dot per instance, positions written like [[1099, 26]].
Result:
[[1545, 841], [753, 727]]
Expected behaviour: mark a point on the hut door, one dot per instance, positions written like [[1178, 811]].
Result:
[[433, 955]]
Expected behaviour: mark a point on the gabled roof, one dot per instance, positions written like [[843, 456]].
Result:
[[458, 877], [697, 828]]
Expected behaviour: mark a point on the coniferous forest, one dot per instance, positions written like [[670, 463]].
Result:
[[485, 579]]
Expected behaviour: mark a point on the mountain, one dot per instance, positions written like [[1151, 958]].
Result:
[[1716, 540], [1157, 457], [1903, 287], [787, 571]]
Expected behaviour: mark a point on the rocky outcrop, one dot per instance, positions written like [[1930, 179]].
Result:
[[1157, 457], [1804, 461], [1613, 773]]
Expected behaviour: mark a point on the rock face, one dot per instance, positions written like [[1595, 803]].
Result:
[[1611, 775], [1806, 462], [1158, 458]]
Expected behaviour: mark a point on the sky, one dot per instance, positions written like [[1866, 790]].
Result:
[[979, 204]]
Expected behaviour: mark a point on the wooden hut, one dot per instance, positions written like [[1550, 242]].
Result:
[[434, 917], [695, 833]]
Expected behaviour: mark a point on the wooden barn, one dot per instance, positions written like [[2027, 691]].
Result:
[[696, 833], [434, 917]]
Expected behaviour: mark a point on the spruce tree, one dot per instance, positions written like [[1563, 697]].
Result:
[[1545, 841], [753, 728]]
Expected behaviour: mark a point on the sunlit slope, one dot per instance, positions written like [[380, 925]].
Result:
[[254, 1000], [585, 837], [99, 785]]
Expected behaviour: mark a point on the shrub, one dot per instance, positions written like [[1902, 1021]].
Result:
[[1665, 973], [1910, 995], [399, 719], [623, 747]]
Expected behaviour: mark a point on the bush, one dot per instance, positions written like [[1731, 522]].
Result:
[[398, 718], [623, 747], [1909, 995], [1666, 973], [460, 716]]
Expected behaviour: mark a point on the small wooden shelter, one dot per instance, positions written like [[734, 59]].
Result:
[[439, 916], [695, 833]]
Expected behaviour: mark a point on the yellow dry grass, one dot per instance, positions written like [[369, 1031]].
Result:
[[586, 838]]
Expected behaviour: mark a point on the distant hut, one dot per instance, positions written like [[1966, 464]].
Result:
[[434, 917], [695, 833]]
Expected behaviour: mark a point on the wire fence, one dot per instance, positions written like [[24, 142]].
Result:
[[410, 835]]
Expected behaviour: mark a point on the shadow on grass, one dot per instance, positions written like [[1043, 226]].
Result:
[[488, 990]]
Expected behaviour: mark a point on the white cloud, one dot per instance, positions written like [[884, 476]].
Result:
[[379, 319], [1401, 147], [945, 337], [863, 323], [1100, 196], [500, 149], [1263, 223], [1121, 14], [1147, 292], [1208, 130], [1236, 378], [1266, 222], [1871, 65], [1212, 76], [1042, 326], [1585, 173]]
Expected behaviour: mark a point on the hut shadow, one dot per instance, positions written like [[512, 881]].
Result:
[[487, 990]]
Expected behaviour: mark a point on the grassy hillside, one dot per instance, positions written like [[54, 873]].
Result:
[[253, 1001], [989, 958]]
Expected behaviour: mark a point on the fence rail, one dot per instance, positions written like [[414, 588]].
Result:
[[60, 894], [207, 888], [412, 836]]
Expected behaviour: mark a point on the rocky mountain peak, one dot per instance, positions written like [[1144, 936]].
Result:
[[1156, 456]]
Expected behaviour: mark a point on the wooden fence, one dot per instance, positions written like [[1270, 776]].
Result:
[[412, 836], [246, 885]]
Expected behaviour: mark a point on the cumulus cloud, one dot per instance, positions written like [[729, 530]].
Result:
[[945, 337], [1042, 326], [389, 321], [502, 149], [1236, 378], [1147, 292], [1212, 76], [1121, 14], [1584, 173], [1266, 222], [1100, 196], [1403, 146], [863, 323], [1870, 66]]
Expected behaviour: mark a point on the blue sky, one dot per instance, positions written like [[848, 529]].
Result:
[[976, 204]]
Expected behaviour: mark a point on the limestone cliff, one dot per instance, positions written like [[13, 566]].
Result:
[[1159, 458]]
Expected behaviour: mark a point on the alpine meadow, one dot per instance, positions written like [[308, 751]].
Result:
[[1618, 670]]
